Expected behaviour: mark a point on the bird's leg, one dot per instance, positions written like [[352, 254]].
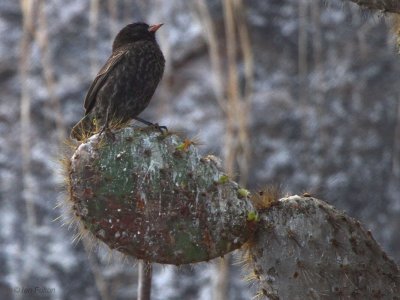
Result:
[[105, 127], [161, 128]]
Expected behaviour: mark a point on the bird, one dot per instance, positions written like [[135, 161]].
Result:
[[124, 86]]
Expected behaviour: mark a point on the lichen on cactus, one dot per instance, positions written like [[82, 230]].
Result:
[[142, 193]]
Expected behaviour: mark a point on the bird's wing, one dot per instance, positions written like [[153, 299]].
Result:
[[101, 77]]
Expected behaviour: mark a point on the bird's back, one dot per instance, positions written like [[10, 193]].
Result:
[[131, 83], [125, 84]]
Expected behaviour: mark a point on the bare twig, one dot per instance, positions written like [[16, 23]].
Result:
[[42, 38], [93, 24], [101, 283], [27, 7], [221, 289], [113, 11], [302, 49], [213, 52], [127, 11], [234, 102], [144, 284], [247, 51], [28, 28], [243, 114], [317, 35], [232, 87], [396, 145]]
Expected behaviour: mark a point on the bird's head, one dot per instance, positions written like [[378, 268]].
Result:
[[136, 32]]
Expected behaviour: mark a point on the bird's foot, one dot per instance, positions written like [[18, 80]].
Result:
[[160, 128], [154, 125], [107, 132]]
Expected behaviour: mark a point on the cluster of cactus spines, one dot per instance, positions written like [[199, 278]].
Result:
[[151, 196], [306, 249]]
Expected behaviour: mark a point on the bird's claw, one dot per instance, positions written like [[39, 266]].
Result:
[[160, 128], [107, 132]]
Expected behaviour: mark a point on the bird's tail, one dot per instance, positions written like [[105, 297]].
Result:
[[84, 128]]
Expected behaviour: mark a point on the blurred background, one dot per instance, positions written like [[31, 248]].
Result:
[[303, 94]]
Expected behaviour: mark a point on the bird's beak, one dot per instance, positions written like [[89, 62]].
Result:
[[154, 28]]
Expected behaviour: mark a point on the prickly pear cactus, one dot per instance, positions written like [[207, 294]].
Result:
[[306, 249], [151, 196]]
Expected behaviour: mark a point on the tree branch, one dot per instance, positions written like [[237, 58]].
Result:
[[145, 274]]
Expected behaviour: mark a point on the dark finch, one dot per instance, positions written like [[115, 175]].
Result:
[[125, 84]]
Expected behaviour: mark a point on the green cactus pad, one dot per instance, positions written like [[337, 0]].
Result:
[[137, 194]]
